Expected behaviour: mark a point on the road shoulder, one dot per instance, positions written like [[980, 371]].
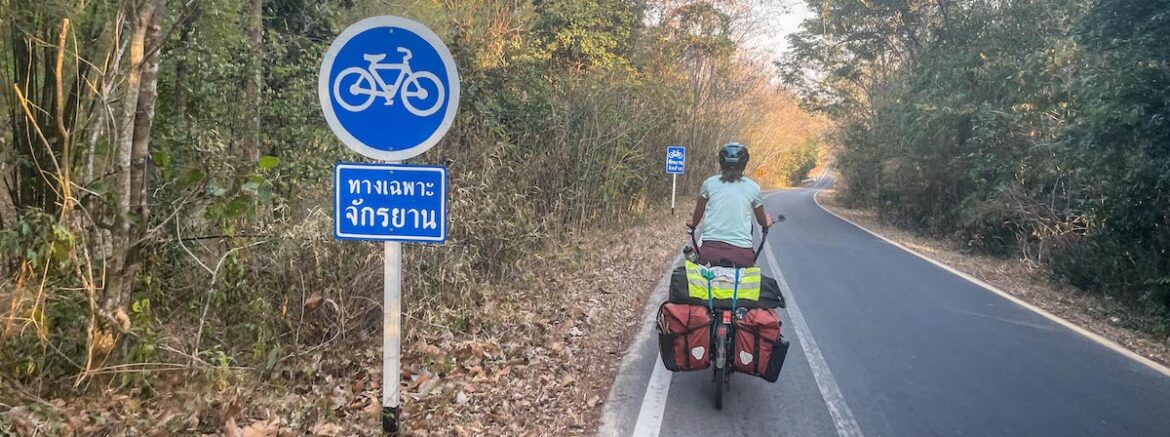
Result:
[[624, 403]]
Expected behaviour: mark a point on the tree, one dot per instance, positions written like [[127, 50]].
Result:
[[250, 149]]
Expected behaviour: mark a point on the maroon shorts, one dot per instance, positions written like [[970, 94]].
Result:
[[712, 252]]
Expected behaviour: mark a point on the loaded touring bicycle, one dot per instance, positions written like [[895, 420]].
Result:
[[722, 316]]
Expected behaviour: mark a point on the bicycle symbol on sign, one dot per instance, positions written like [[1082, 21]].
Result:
[[675, 154], [409, 85]]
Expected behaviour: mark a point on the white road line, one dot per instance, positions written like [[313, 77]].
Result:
[[839, 410], [654, 399], [1067, 324], [654, 403]]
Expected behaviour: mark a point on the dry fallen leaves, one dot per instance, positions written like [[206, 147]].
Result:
[[543, 349], [313, 302], [327, 429], [258, 429], [517, 364]]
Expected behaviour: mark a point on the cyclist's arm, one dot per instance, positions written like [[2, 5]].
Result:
[[697, 215], [762, 217]]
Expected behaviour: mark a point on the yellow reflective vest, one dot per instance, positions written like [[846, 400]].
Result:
[[721, 283]]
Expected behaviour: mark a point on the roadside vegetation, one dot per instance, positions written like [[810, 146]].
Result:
[[165, 244], [1032, 129]]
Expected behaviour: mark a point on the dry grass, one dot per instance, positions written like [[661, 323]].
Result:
[[534, 356], [1101, 315]]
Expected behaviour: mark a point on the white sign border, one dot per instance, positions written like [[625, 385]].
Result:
[[325, 95], [337, 234]]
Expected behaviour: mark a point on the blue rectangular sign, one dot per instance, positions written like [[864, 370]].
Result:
[[676, 159], [390, 202]]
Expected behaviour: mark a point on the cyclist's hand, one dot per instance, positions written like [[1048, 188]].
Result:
[[771, 221], [690, 224]]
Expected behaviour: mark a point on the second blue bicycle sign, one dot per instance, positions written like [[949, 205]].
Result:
[[676, 160]]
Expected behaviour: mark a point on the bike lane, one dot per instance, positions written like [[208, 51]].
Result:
[[792, 406]]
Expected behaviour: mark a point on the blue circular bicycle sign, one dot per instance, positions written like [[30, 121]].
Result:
[[389, 88]]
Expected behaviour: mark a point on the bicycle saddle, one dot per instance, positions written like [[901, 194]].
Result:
[[377, 57], [724, 262]]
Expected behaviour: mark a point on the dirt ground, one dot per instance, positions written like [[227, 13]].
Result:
[[535, 358], [548, 369], [1030, 283]]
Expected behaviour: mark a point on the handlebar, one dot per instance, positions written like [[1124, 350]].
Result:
[[694, 244], [406, 54], [764, 235]]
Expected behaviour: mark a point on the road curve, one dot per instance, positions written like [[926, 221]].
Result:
[[912, 350]]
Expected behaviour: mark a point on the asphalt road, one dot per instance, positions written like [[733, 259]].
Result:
[[901, 347]]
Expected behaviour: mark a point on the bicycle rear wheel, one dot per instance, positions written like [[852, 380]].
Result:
[[720, 370], [413, 89]]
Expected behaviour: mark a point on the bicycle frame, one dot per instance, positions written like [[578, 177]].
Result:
[[723, 326], [388, 91], [723, 343]]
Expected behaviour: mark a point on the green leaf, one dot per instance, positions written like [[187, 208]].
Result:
[[215, 190], [161, 158], [273, 357], [238, 206], [191, 177], [268, 162]]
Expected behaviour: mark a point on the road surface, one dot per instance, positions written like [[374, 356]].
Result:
[[887, 344]]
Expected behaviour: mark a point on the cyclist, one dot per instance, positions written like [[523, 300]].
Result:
[[726, 205]]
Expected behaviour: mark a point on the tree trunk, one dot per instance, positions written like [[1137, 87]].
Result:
[[250, 150], [7, 207], [29, 117], [144, 118], [183, 66], [131, 148]]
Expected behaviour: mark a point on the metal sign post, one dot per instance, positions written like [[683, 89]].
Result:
[[393, 203], [673, 188], [676, 164], [389, 90], [391, 336]]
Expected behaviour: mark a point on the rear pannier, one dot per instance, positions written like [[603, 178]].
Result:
[[759, 348], [684, 336]]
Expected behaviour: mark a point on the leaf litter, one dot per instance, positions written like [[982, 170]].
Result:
[[535, 354]]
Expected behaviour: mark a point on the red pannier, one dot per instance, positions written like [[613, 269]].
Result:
[[684, 336], [759, 347]]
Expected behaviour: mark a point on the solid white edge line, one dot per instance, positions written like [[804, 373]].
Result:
[[1067, 324], [654, 402], [839, 410], [609, 421]]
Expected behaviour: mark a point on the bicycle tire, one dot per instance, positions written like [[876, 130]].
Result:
[[720, 372], [363, 76], [406, 94]]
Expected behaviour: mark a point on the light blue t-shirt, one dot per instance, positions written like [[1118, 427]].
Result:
[[729, 215]]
